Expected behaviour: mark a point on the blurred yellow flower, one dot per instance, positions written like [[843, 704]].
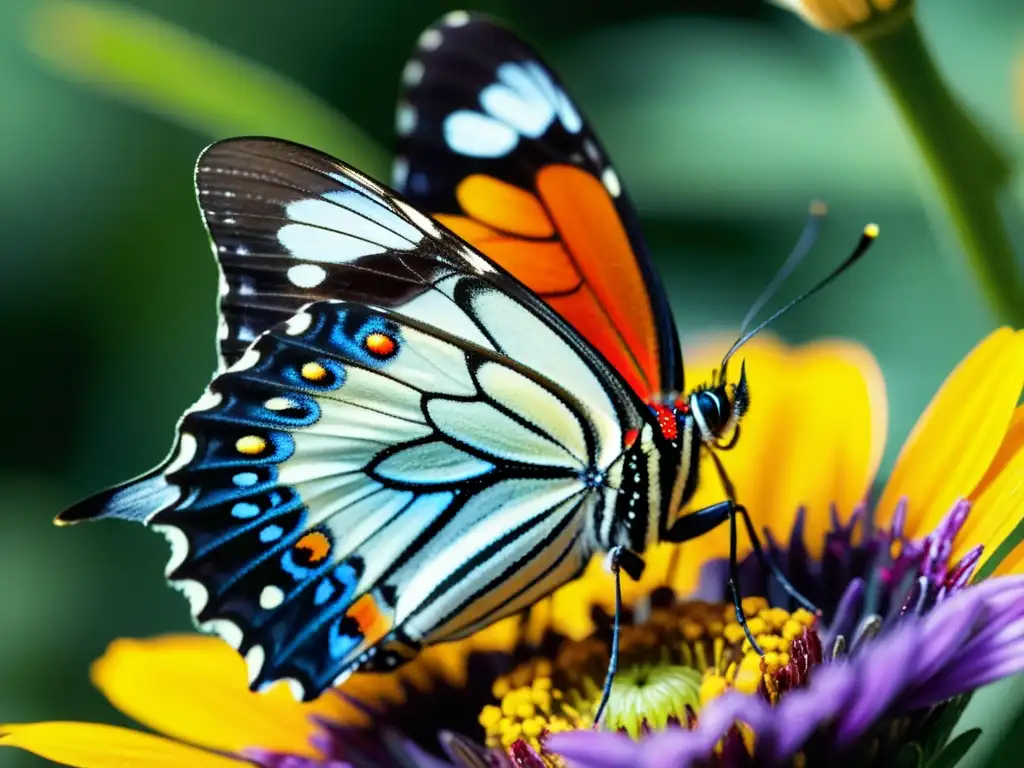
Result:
[[842, 15]]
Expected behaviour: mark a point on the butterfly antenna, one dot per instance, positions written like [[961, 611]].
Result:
[[867, 238], [809, 235]]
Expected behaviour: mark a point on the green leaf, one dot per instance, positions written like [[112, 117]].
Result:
[[910, 756], [956, 749], [940, 724], [146, 61]]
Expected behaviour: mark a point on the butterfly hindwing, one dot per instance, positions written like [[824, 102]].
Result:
[[430, 449], [358, 479], [492, 145]]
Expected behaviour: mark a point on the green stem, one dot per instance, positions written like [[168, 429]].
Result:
[[967, 170]]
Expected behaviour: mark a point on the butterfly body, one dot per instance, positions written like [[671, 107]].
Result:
[[423, 423]]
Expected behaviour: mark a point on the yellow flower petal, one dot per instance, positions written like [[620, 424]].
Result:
[[194, 688], [957, 438], [1013, 441], [87, 745], [996, 511], [829, 448], [813, 438]]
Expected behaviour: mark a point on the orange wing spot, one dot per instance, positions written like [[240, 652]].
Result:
[[504, 206], [379, 344], [544, 267], [587, 221], [315, 545], [372, 622], [469, 230]]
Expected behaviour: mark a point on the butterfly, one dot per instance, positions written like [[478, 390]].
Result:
[[434, 405]]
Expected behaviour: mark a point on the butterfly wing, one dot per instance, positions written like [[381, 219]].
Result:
[[393, 467], [491, 144]]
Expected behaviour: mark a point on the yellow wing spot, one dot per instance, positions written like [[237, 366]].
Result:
[[313, 372], [379, 344], [250, 445]]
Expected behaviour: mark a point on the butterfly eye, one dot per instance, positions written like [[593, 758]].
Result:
[[714, 407]]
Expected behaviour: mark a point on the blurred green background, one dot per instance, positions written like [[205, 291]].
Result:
[[724, 118]]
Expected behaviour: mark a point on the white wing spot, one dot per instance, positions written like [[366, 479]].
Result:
[[430, 40], [271, 597], [254, 661], [187, 446], [194, 592], [179, 546], [412, 74], [246, 361], [524, 100], [405, 119], [298, 323], [610, 179], [307, 275], [457, 19], [209, 400], [297, 689], [229, 632], [400, 172], [470, 133]]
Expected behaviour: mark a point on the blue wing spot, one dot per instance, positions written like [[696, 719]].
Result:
[[295, 570], [271, 533], [323, 592], [245, 479], [341, 643], [245, 509]]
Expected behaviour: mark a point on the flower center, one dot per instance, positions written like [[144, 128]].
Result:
[[670, 666]]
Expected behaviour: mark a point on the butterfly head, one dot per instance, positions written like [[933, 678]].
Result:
[[716, 410]]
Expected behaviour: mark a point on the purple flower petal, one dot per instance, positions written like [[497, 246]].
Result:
[[595, 749], [880, 682], [675, 747], [802, 712]]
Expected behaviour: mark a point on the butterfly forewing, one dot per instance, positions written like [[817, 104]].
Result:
[[491, 143]]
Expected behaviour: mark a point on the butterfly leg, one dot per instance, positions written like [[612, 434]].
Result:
[[768, 563], [702, 521], [619, 559]]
